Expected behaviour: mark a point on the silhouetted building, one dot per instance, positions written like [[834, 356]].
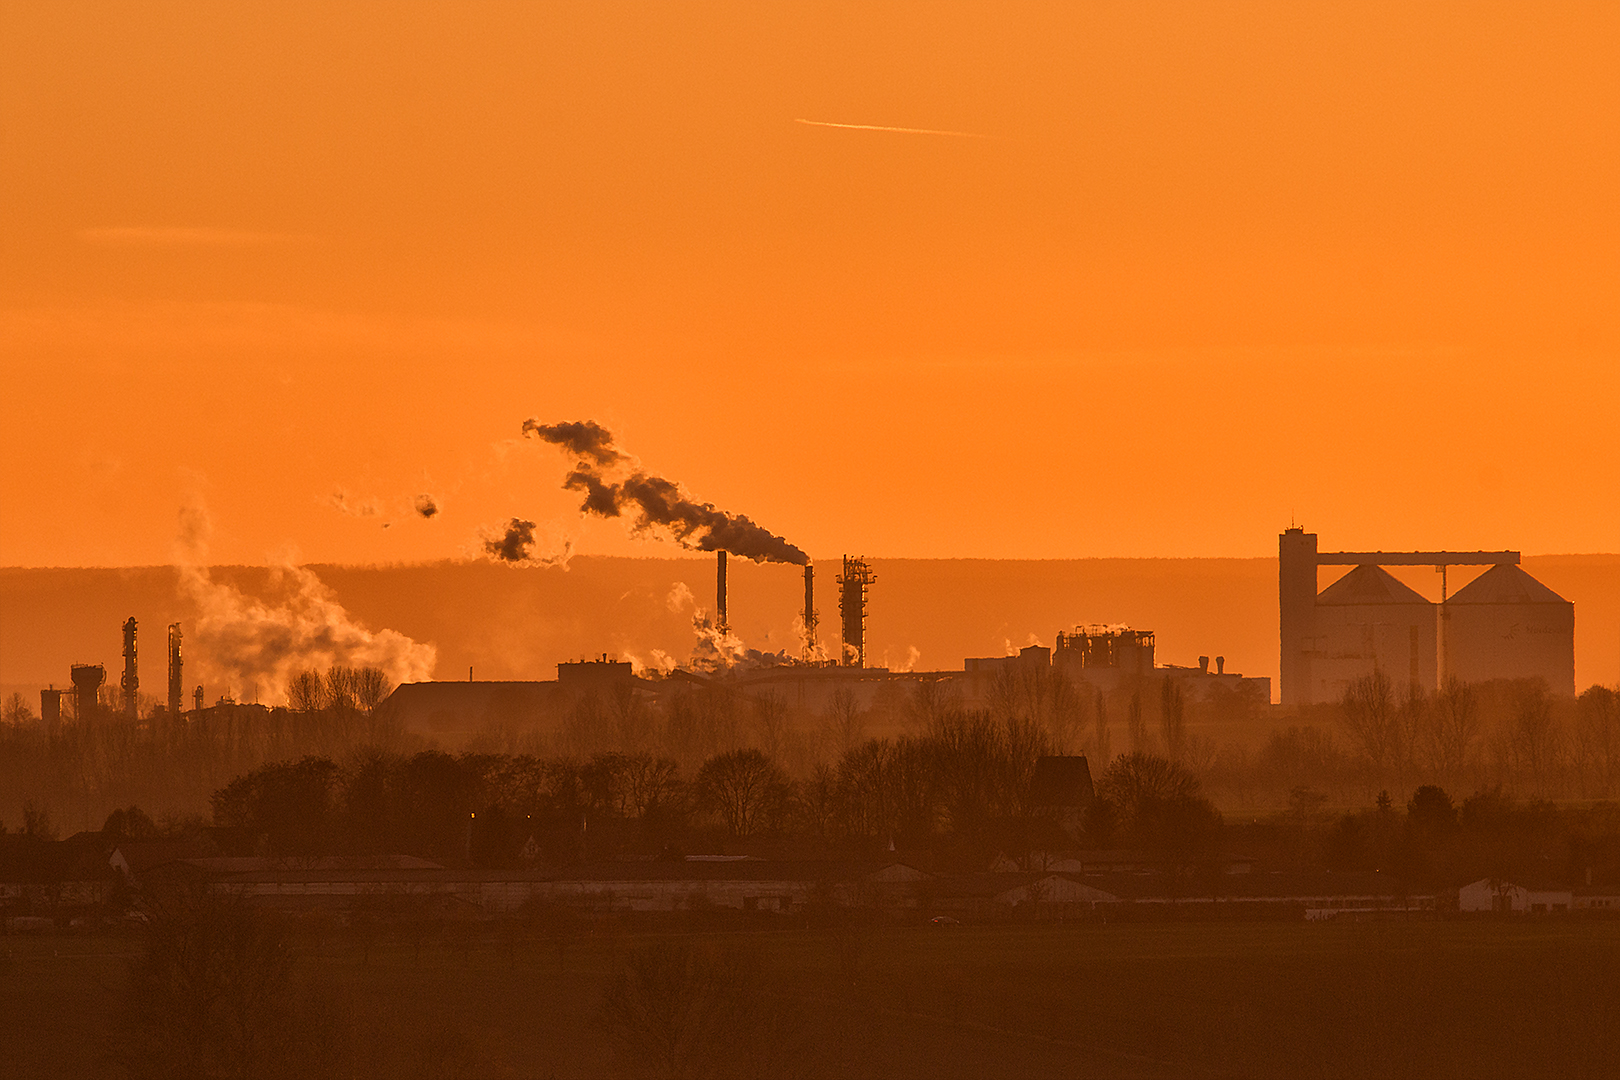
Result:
[[1087, 651], [600, 674], [87, 680]]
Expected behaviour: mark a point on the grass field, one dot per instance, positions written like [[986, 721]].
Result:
[[1375, 999]]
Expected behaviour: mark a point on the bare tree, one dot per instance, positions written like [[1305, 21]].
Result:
[[1455, 730], [306, 692], [371, 686], [632, 723], [745, 789], [844, 723], [17, 712], [819, 804], [682, 1011], [1597, 720], [770, 720], [930, 699], [1172, 719], [1369, 719], [211, 995], [649, 783], [1102, 739], [1414, 717], [1136, 725], [1534, 736], [340, 687]]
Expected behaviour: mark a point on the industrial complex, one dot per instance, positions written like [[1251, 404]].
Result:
[[1503, 625]]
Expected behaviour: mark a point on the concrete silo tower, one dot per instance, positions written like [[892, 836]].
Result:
[[1507, 625], [1365, 620]]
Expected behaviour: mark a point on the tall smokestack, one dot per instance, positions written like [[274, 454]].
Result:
[[720, 592], [131, 682], [809, 611], [177, 689]]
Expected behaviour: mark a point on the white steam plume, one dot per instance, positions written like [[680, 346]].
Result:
[[246, 642]]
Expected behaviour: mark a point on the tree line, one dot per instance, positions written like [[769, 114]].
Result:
[[952, 796]]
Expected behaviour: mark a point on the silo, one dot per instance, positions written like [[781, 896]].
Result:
[[1365, 620], [1507, 625]]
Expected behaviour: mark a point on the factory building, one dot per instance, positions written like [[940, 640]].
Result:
[[1368, 620], [1507, 625], [1504, 625], [1105, 658]]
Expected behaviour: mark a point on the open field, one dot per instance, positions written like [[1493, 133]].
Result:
[[1385, 999]]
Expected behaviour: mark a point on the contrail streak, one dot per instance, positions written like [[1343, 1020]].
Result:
[[880, 127]]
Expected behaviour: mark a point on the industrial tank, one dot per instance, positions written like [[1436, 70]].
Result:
[[1507, 625], [1368, 619]]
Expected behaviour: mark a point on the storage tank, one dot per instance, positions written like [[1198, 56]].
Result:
[[1507, 625], [1368, 619]]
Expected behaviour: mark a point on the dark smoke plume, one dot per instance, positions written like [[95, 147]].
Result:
[[614, 485], [515, 544], [426, 505]]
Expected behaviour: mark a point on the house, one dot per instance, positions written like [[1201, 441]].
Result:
[[55, 879], [1505, 897], [1596, 898]]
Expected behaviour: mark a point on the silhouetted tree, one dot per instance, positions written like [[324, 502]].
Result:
[[1159, 803], [293, 804], [1456, 729], [1369, 719], [1172, 719], [306, 692], [37, 822], [211, 996], [1136, 725], [132, 823], [1102, 741], [770, 722], [1597, 734], [745, 789], [1533, 736], [678, 1010], [843, 722], [17, 711]]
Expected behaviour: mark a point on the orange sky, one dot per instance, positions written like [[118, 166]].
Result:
[[1211, 267]]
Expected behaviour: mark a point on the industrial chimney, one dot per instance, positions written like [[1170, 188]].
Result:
[[809, 612], [131, 682], [198, 697], [720, 621], [177, 689]]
